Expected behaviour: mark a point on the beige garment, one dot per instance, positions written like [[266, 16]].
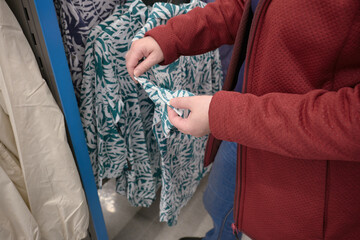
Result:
[[8, 153], [35, 125], [16, 220], [21, 225]]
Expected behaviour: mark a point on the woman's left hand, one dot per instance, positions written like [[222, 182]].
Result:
[[197, 123]]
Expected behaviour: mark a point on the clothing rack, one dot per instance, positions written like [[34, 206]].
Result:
[[40, 25]]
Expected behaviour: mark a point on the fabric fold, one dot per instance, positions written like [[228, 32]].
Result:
[[161, 98]]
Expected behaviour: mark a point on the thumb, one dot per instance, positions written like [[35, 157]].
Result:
[[145, 65], [178, 122], [181, 102]]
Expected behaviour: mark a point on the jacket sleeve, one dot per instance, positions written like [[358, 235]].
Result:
[[200, 30], [320, 125]]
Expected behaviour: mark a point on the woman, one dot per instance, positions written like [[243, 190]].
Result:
[[297, 118]]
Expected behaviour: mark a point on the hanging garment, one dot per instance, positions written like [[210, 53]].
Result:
[[110, 108], [16, 220], [76, 19], [102, 161], [123, 108], [10, 157], [107, 148], [38, 171], [181, 155]]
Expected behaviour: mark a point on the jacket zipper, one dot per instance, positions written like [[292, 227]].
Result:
[[240, 172]]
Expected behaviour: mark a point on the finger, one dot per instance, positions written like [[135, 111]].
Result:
[[182, 102], [178, 122], [132, 59], [145, 65]]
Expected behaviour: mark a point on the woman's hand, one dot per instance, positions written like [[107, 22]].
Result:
[[146, 49], [197, 123]]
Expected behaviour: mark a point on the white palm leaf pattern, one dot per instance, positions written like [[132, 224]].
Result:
[[87, 109], [161, 97], [181, 155], [76, 19], [109, 100], [125, 134]]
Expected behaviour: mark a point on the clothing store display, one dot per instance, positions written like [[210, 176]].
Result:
[[284, 147], [76, 19], [85, 100], [297, 116], [41, 192], [114, 107], [90, 119], [199, 75]]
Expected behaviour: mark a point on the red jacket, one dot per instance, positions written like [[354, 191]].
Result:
[[297, 122]]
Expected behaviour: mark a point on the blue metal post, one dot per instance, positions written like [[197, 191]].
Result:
[[53, 41]]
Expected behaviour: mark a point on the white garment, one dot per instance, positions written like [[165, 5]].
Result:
[[16, 221], [41, 195]]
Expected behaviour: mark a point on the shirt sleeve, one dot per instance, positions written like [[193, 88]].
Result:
[[200, 30], [321, 125]]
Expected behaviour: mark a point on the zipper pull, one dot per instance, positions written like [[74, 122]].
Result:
[[235, 231]]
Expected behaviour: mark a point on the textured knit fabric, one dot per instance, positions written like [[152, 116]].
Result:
[[298, 122], [76, 19], [123, 128], [219, 193], [225, 53]]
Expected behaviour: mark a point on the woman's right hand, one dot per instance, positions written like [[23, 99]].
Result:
[[146, 49]]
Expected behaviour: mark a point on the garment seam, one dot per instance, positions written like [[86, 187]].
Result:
[[326, 200], [243, 179], [254, 28], [223, 223], [8, 155], [341, 50]]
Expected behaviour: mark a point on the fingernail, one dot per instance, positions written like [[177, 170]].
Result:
[[136, 73]]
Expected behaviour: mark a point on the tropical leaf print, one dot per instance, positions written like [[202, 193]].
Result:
[[161, 97], [76, 19], [128, 135], [181, 155], [111, 114], [88, 110]]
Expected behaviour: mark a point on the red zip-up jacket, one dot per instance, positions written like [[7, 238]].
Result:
[[297, 121]]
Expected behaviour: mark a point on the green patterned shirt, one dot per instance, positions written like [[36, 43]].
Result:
[[125, 132]]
